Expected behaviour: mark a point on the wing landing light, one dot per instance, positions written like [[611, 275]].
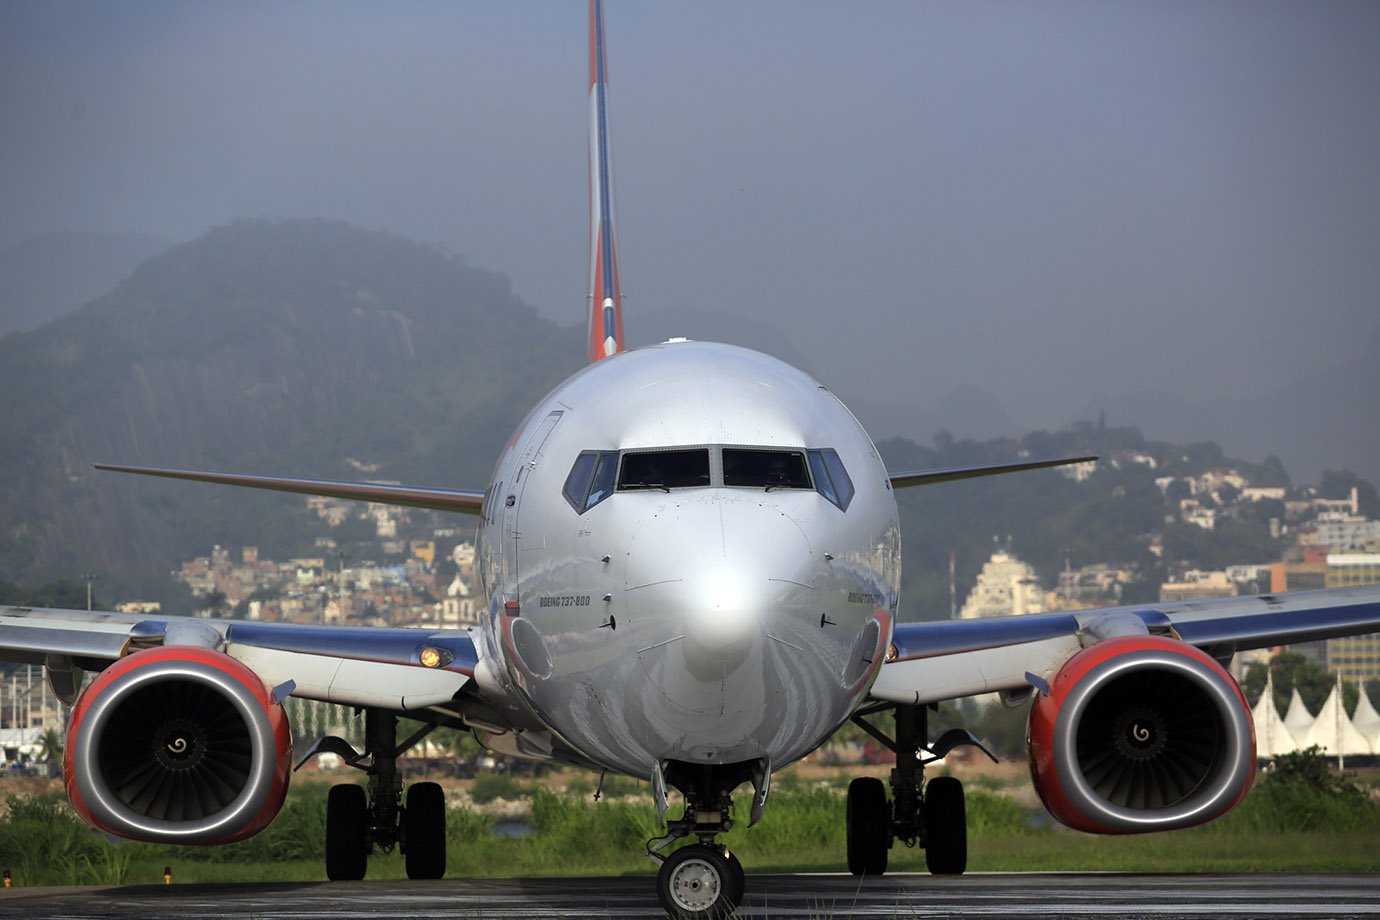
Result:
[[458, 500]]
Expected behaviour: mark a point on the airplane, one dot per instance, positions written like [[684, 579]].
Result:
[[690, 554]]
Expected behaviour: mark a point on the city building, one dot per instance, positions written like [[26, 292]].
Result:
[[1005, 586], [1196, 585], [1353, 658], [1341, 532]]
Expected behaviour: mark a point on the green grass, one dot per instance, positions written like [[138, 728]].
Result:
[[1300, 819]]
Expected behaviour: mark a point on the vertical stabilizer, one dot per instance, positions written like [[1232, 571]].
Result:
[[605, 296]]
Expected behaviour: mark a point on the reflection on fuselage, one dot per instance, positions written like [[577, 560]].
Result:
[[686, 615]]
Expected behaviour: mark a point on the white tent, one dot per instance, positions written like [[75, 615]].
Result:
[[1298, 719], [1332, 730], [1272, 737], [1367, 720]]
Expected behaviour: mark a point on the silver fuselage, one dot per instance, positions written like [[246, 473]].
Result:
[[710, 624]]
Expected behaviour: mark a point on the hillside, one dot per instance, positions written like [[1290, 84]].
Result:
[[52, 275], [1113, 516], [312, 348], [289, 348]]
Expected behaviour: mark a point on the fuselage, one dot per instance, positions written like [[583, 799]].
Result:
[[690, 552]]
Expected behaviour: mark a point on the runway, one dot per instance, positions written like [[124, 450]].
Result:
[[1017, 896]]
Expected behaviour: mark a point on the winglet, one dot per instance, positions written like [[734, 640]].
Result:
[[605, 295]]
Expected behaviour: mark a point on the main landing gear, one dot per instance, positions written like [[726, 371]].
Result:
[[935, 818], [702, 881], [359, 821]]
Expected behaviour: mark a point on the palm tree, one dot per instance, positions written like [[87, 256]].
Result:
[[50, 745]]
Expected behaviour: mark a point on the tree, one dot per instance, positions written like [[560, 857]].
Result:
[[50, 745], [215, 603], [1291, 671], [1272, 473]]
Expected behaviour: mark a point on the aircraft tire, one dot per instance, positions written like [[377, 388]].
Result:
[[869, 826], [946, 826], [347, 825], [696, 883], [737, 879], [424, 831]]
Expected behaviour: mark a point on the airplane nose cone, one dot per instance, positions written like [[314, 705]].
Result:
[[708, 584], [723, 610]]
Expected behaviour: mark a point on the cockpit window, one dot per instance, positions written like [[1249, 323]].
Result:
[[591, 479], [664, 469], [769, 469], [596, 474], [831, 479]]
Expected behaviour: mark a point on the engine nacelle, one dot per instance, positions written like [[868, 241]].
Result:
[[178, 745], [1141, 734]]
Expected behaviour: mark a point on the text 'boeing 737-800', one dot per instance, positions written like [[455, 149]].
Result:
[[690, 556]]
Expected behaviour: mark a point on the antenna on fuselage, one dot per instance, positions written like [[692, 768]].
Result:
[[605, 295]]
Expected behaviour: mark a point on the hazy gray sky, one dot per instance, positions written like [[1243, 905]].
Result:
[[1056, 202]]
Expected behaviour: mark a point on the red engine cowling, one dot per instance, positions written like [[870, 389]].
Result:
[[178, 745], [1141, 734]]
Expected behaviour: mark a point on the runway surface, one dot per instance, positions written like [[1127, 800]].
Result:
[[1000, 895]]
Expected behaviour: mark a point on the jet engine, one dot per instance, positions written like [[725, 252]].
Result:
[[1140, 734], [178, 744]]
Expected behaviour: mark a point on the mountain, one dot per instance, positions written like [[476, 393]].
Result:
[[291, 347], [1299, 422], [965, 411], [704, 325], [52, 275]]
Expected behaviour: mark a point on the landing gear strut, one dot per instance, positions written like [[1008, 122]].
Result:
[[359, 821], [931, 814], [702, 881]]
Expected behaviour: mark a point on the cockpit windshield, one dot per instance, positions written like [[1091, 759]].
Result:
[[664, 469], [596, 474], [765, 469]]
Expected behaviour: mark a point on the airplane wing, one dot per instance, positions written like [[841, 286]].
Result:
[[952, 474], [395, 669], [954, 658], [461, 500]]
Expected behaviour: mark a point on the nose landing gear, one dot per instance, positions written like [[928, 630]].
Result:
[[936, 818], [702, 881]]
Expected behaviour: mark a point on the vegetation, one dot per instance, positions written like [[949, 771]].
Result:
[[265, 346], [1052, 521], [1293, 671], [295, 346], [1299, 816]]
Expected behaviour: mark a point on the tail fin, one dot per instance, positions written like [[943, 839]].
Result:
[[605, 296]]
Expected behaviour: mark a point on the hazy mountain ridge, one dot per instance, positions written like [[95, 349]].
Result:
[[294, 347], [50, 276], [267, 347], [1298, 421]]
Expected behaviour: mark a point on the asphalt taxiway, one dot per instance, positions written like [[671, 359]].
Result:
[[1017, 896]]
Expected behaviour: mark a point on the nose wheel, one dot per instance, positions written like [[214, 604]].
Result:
[[700, 882]]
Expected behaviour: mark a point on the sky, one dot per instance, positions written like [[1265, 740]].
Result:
[[1057, 203]]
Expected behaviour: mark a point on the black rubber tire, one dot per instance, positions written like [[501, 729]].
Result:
[[868, 826], [424, 831], [946, 826], [737, 879], [347, 831], [695, 883]]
